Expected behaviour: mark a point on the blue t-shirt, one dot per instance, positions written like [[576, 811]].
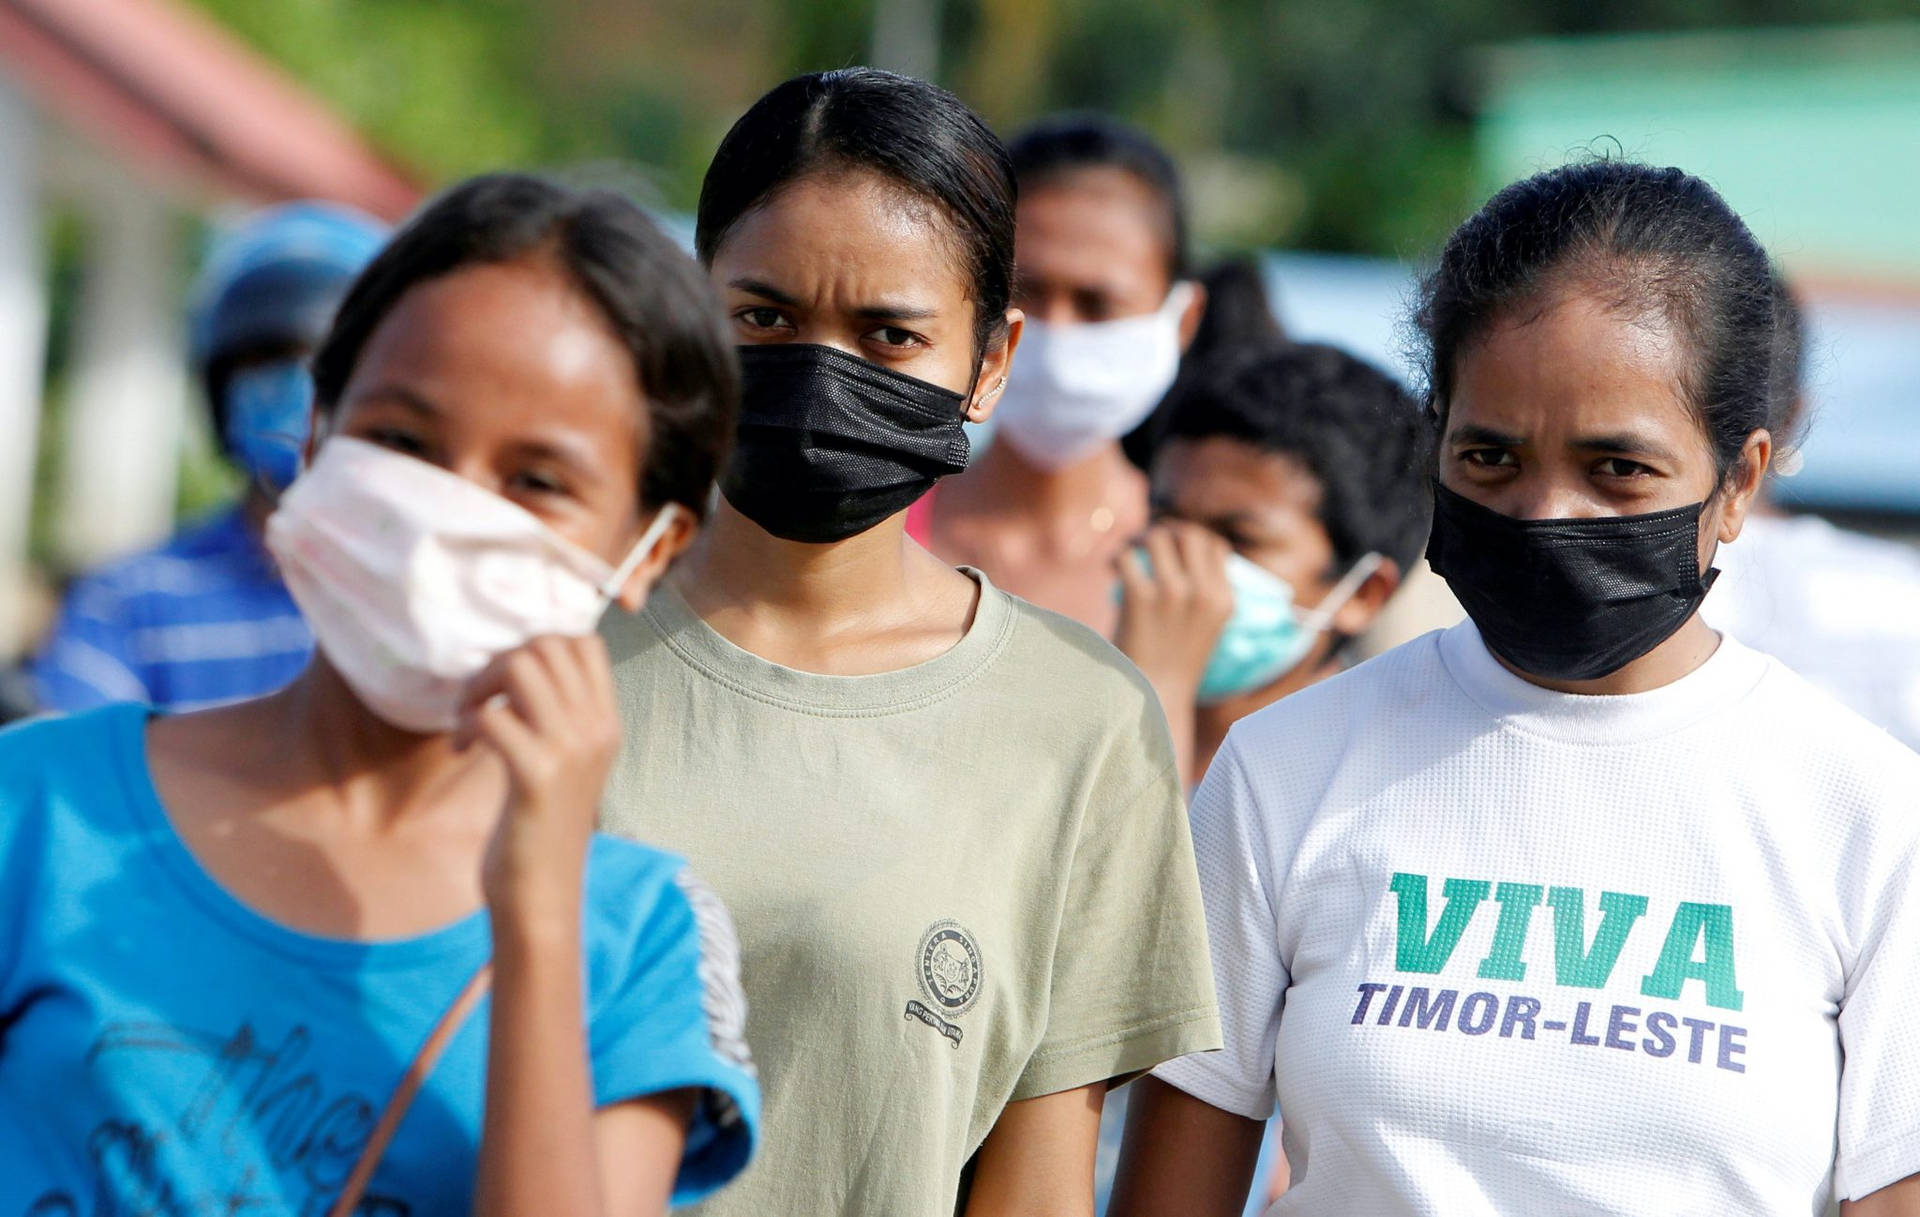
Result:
[[200, 621], [165, 1050]]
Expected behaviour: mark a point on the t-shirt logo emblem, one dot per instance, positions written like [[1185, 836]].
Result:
[[949, 976]]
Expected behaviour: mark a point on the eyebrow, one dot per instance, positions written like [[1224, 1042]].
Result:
[[880, 311], [1474, 433], [577, 454], [401, 395], [1622, 444]]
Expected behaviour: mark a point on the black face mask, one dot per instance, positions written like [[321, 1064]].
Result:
[[830, 445], [1570, 599]]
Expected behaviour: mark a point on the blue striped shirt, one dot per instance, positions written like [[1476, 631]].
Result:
[[199, 621]]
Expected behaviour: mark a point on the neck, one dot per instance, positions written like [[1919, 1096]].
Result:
[[338, 742], [1691, 645], [735, 564], [1005, 480]]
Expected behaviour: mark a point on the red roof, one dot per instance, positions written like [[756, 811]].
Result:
[[165, 86]]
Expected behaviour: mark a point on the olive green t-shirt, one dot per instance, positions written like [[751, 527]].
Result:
[[956, 885]]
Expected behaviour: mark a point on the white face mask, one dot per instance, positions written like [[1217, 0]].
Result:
[[1076, 387], [415, 579]]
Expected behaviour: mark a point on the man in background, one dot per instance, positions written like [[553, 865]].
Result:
[[1290, 497], [203, 619]]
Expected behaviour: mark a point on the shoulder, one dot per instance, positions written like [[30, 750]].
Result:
[[178, 566], [80, 743], [626, 878], [1288, 754], [1399, 684], [644, 899], [1049, 650], [1807, 728]]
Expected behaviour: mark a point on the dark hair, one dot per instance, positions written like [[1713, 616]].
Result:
[[1238, 316], [1789, 360], [1350, 425], [1652, 241], [920, 137], [650, 292], [1066, 143]]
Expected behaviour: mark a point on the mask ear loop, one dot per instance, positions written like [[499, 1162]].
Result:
[[1321, 615], [642, 549]]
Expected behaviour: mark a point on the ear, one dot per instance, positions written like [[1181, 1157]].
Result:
[[994, 367], [1195, 310], [1352, 618], [673, 542], [1743, 489]]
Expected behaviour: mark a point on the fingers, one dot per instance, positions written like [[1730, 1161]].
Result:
[[556, 687], [1162, 544]]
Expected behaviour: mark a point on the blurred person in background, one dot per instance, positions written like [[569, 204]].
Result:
[[1102, 262], [1720, 1016], [948, 823], [1841, 608], [237, 946], [203, 619], [1289, 493], [1239, 316]]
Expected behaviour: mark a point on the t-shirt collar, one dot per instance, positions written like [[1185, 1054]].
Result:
[[702, 647], [1727, 676]]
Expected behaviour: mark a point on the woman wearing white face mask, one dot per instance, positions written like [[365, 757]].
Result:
[[1101, 239], [239, 946]]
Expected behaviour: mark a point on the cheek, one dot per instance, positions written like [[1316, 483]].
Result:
[[949, 365]]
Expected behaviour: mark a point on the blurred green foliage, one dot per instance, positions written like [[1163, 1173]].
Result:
[[1343, 126]]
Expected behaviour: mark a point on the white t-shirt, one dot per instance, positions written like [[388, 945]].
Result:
[[1510, 951], [1840, 608]]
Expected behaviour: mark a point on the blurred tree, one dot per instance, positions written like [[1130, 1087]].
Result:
[[1335, 126]]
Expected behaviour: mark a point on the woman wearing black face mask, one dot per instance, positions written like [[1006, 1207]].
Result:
[[1579, 906], [948, 824]]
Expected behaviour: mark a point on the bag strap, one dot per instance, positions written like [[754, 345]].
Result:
[[403, 1094]]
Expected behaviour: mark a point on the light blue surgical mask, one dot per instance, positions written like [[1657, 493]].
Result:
[[269, 411], [1268, 635]]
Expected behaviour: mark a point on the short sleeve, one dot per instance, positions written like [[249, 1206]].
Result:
[[675, 1021], [1880, 1042], [1230, 845], [87, 660], [1130, 986]]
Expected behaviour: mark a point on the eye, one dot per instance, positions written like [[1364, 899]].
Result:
[[894, 336], [1489, 458], [539, 482], [762, 317], [1620, 467], [397, 438]]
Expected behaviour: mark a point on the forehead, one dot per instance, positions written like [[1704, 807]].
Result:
[[516, 333], [1093, 219], [1571, 363], [850, 233], [1220, 476]]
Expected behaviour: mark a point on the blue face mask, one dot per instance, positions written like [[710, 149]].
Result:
[[1268, 635], [269, 412]]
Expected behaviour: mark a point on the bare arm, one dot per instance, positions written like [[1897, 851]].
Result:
[[1901, 1199], [548, 711], [1038, 1160], [1183, 1157]]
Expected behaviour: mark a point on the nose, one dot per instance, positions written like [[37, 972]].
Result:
[[1544, 497]]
